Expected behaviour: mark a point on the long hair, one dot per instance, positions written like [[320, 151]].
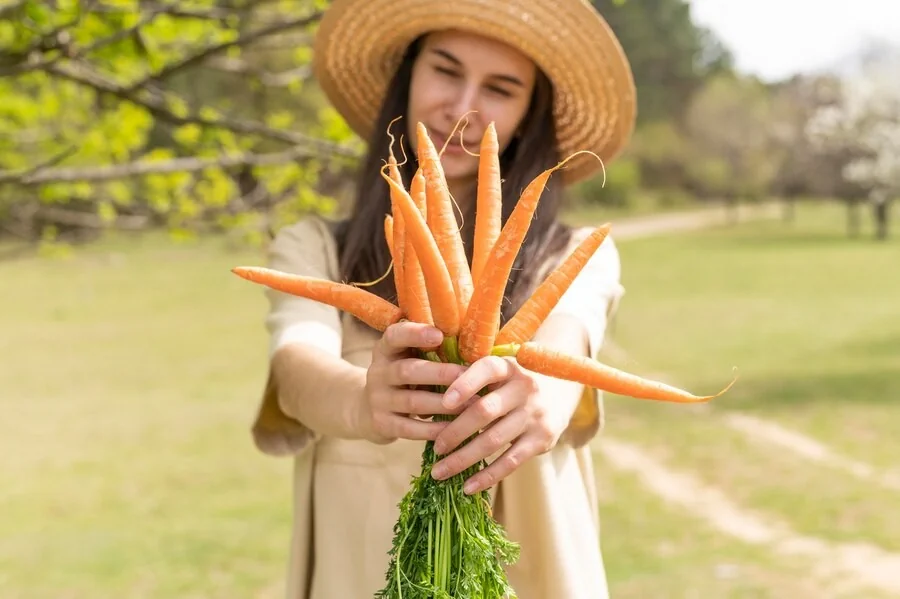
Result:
[[362, 248]]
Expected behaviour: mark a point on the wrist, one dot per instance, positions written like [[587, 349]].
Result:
[[358, 414], [563, 396]]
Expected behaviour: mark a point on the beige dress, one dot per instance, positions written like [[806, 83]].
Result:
[[346, 492]]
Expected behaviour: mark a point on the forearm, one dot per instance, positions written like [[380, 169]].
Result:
[[320, 390], [566, 334]]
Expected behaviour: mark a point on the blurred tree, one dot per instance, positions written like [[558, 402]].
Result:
[[863, 127], [803, 169], [670, 55], [129, 113], [733, 154]]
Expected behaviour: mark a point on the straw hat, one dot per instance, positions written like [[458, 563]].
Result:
[[360, 43]]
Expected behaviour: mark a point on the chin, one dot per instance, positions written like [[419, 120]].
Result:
[[459, 167]]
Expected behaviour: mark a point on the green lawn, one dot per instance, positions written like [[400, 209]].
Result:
[[811, 320], [129, 381], [132, 369]]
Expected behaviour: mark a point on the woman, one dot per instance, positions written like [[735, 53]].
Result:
[[552, 78]]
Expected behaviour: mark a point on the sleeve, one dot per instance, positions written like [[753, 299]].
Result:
[[306, 248], [592, 299]]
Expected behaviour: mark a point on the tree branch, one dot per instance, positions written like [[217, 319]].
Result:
[[100, 83], [241, 40], [9, 9], [41, 176], [88, 220], [267, 78], [45, 62]]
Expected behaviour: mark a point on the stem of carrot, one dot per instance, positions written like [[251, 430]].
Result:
[[508, 350]]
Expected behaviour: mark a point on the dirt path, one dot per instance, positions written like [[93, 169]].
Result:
[[645, 226], [834, 563], [759, 429]]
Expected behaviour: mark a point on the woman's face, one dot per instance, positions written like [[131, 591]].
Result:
[[456, 73]]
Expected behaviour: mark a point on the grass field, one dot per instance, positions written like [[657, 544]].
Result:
[[131, 371]]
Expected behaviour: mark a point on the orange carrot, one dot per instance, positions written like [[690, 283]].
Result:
[[365, 305], [528, 319], [441, 220], [416, 292], [395, 239], [481, 322], [444, 308], [489, 202], [589, 372], [392, 250]]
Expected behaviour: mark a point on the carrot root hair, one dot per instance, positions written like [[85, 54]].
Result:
[[390, 268], [463, 119], [574, 154], [462, 140], [393, 140]]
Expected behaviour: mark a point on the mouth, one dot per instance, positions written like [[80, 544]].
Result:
[[453, 147]]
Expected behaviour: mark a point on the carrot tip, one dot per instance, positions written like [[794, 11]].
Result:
[[246, 272], [706, 398]]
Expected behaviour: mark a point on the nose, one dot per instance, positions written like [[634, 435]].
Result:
[[464, 101]]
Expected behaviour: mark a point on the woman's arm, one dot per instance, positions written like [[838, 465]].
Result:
[[320, 390], [562, 332]]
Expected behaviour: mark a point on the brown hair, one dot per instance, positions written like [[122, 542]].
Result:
[[362, 247]]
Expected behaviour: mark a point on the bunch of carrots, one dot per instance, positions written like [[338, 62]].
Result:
[[447, 543]]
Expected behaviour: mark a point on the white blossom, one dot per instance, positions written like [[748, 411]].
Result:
[[865, 122]]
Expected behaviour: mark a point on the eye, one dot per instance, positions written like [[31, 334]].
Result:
[[500, 91], [446, 71]]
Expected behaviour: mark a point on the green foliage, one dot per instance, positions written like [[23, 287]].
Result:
[[147, 91], [622, 184], [734, 151], [670, 55]]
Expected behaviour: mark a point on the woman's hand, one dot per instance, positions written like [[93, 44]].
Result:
[[390, 406], [513, 411]]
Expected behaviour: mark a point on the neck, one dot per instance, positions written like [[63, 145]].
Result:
[[463, 192]]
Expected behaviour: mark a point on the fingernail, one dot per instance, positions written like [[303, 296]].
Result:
[[451, 398], [434, 337], [439, 471], [470, 487], [439, 447]]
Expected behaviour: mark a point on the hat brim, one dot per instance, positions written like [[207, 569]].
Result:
[[360, 43]]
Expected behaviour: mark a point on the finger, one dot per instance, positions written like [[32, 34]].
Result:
[[395, 426], [420, 403], [486, 444], [518, 453], [401, 336], [413, 371], [484, 372], [478, 415]]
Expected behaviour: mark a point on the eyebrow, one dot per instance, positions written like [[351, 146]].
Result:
[[508, 78]]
